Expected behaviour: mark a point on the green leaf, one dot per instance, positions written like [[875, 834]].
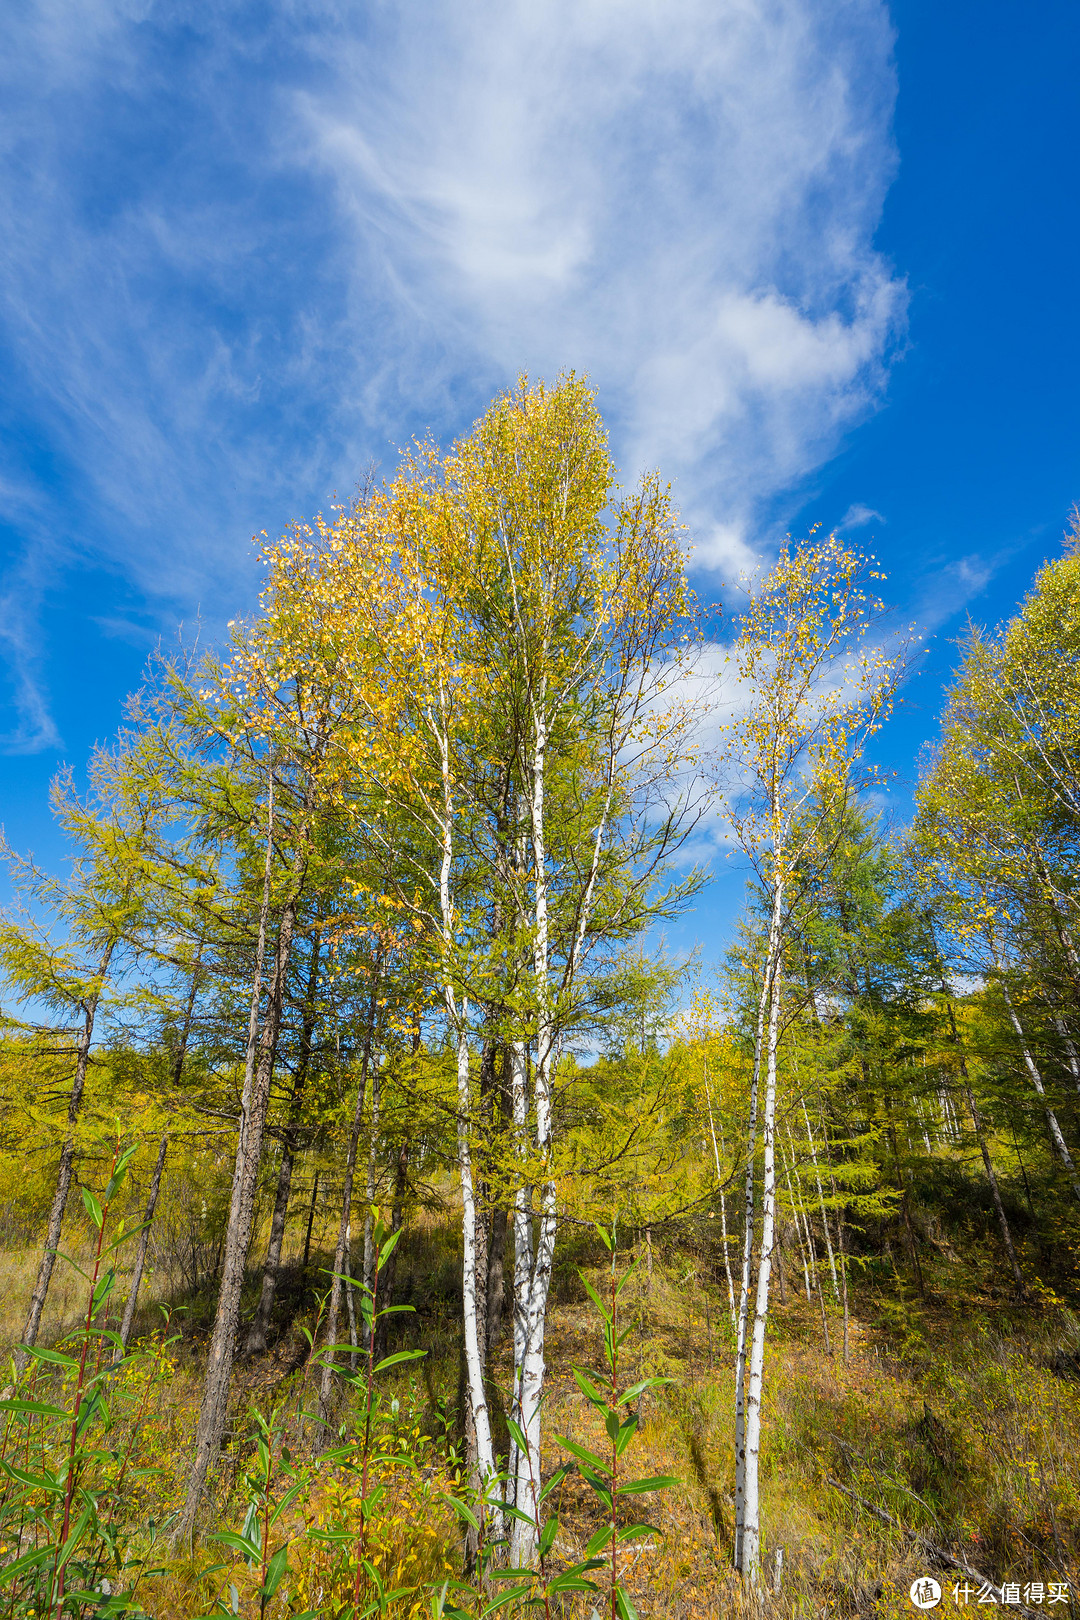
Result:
[[598, 1541], [572, 1580], [608, 1237], [519, 1514], [588, 1388], [463, 1510], [389, 1246], [229, 1538], [626, 1433], [35, 1408], [556, 1480], [634, 1532], [639, 1388], [595, 1297], [27, 1562], [398, 1356], [78, 1530], [547, 1535], [517, 1436], [624, 1607], [93, 1208], [627, 1274], [116, 1180], [584, 1454], [53, 1357], [275, 1569], [611, 1423], [602, 1490], [659, 1482], [290, 1496], [37, 1482], [504, 1598]]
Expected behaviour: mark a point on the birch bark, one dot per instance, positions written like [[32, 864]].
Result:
[[751, 1538]]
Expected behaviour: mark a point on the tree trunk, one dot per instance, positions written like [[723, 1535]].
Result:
[[155, 1183], [65, 1170], [751, 1536], [821, 1205], [255, 1343], [478, 1428], [1036, 1080], [984, 1149], [747, 1256], [333, 1314], [140, 1253], [310, 1220], [253, 1108]]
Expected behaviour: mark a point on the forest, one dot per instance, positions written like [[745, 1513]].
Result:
[[391, 1225]]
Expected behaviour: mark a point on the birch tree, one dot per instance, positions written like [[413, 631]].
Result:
[[810, 687]]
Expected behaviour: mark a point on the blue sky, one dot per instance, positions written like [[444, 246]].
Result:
[[818, 256]]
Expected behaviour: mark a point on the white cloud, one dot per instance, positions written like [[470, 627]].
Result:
[[858, 516], [680, 202], [243, 257]]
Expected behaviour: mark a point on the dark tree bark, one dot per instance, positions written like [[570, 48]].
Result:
[[253, 1108], [333, 1314], [140, 1253], [310, 1220], [159, 1167], [255, 1343], [65, 1171], [976, 1120]]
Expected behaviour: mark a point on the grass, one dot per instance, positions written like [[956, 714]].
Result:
[[955, 1425]]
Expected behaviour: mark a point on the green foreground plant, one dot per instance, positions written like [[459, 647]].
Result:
[[65, 1486]]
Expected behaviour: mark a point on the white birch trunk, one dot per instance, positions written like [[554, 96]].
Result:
[[747, 1256], [457, 1022], [530, 1371], [751, 1536]]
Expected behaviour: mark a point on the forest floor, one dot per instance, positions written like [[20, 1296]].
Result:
[[946, 1443]]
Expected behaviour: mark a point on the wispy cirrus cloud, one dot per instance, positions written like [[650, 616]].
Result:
[[250, 250]]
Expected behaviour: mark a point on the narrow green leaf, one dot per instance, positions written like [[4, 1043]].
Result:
[[275, 1569], [463, 1510], [290, 1496], [504, 1598], [547, 1535], [595, 1297], [93, 1208], [624, 1607], [639, 1388], [626, 1433], [53, 1357], [389, 1246], [229, 1538], [584, 1454], [627, 1274], [659, 1482], [35, 1408], [598, 1541], [556, 1480], [588, 1388], [634, 1532], [398, 1356]]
